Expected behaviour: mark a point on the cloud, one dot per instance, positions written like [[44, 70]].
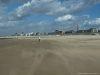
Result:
[[52, 7], [97, 21], [8, 24], [64, 18], [36, 7], [47, 7], [70, 22], [62, 12], [94, 21], [40, 26], [12, 1]]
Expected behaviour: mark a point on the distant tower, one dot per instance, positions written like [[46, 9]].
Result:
[[77, 27], [61, 29]]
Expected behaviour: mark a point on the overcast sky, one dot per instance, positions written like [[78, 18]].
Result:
[[47, 15]]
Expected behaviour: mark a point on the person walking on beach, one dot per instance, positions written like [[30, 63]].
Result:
[[39, 39]]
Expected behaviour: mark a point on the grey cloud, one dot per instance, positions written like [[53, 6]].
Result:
[[4, 1], [52, 7], [71, 24], [12, 1]]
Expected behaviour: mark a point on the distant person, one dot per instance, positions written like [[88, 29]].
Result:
[[39, 39]]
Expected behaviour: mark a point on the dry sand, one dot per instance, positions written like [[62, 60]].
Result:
[[59, 56]]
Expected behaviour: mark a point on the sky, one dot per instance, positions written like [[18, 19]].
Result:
[[18, 16]]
